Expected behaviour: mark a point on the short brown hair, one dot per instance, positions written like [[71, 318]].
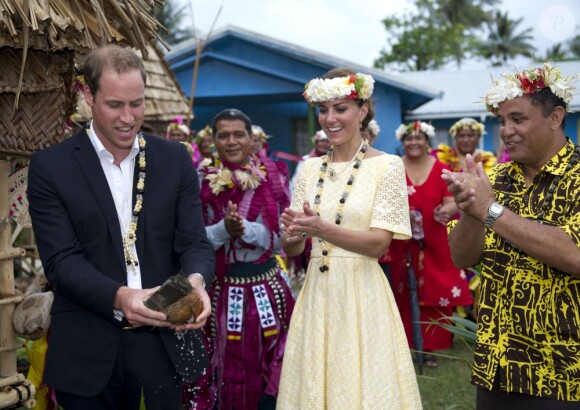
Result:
[[110, 57]]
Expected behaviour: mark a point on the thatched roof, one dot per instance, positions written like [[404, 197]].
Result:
[[79, 25], [164, 99], [39, 41]]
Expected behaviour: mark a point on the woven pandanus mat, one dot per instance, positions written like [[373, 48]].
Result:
[[47, 99]]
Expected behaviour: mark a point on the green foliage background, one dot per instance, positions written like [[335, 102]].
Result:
[[433, 33]]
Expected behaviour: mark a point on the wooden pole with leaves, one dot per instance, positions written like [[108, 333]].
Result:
[[199, 45]]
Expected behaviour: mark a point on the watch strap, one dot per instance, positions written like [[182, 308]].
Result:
[[489, 221]]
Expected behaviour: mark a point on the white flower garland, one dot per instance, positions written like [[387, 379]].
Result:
[[421, 126], [258, 132], [178, 124], [356, 86], [468, 123], [206, 132], [221, 178], [510, 86]]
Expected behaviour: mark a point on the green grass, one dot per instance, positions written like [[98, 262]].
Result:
[[447, 386]]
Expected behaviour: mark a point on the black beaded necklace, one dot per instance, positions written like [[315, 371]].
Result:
[[324, 245]]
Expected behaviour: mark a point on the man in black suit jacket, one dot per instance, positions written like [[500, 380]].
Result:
[[115, 214]]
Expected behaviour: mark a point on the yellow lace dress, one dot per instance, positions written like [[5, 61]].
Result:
[[346, 348]]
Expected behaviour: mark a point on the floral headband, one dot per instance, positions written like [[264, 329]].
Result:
[[470, 124], [178, 124], [355, 86], [206, 132], [414, 128], [319, 136], [510, 86], [257, 131]]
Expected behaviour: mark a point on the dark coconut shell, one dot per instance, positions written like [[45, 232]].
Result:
[[181, 311]]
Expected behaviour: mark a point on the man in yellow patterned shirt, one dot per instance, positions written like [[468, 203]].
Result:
[[523, 226]]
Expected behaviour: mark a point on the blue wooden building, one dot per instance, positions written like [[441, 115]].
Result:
[[265, 78]]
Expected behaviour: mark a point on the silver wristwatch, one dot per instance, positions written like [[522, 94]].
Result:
[[197, 274], [494, 211]]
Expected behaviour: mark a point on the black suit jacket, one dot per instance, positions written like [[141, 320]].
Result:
[[80, 244]]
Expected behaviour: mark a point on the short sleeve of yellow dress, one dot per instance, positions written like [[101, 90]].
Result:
[[391, 203], [346, 347]]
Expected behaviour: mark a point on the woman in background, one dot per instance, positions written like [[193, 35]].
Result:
[[177, 130], [441, 286]]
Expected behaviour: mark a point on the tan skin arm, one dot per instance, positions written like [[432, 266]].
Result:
[[373, 242], [548, 244], [443, 212], [293, 245], [466, 242]]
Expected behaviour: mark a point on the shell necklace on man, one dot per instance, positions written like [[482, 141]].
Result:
[[327, 159]]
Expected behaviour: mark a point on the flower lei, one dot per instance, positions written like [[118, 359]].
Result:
[[131, 235], [221, 178], [510, 86], [355, 86], [450, 157], [413, 128], [470, 124], [266, 201]]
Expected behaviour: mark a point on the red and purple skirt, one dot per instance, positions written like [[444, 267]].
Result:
[[245, 338]]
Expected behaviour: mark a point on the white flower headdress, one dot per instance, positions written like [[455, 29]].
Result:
[[319, 136], [205, 132], [355, 86], [413, 128], [178, 124], [468, 123], [510, 86], [258, 132]]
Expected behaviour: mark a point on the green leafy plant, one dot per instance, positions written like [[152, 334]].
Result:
[[464, 328]]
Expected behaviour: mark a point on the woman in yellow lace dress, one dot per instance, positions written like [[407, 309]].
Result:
[[346, 347]]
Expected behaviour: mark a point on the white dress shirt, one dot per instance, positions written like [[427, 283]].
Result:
[[120, 180]]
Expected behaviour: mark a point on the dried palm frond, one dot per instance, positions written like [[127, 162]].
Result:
[[79, 25]]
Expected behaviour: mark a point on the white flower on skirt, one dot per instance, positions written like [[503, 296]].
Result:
[[443, 302]]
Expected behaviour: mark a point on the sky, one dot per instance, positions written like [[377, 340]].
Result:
[[353, 30]]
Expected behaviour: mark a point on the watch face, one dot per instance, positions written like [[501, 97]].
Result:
[[495, 208]]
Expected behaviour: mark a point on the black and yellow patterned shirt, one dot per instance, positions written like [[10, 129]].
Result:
[[529, 312]]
